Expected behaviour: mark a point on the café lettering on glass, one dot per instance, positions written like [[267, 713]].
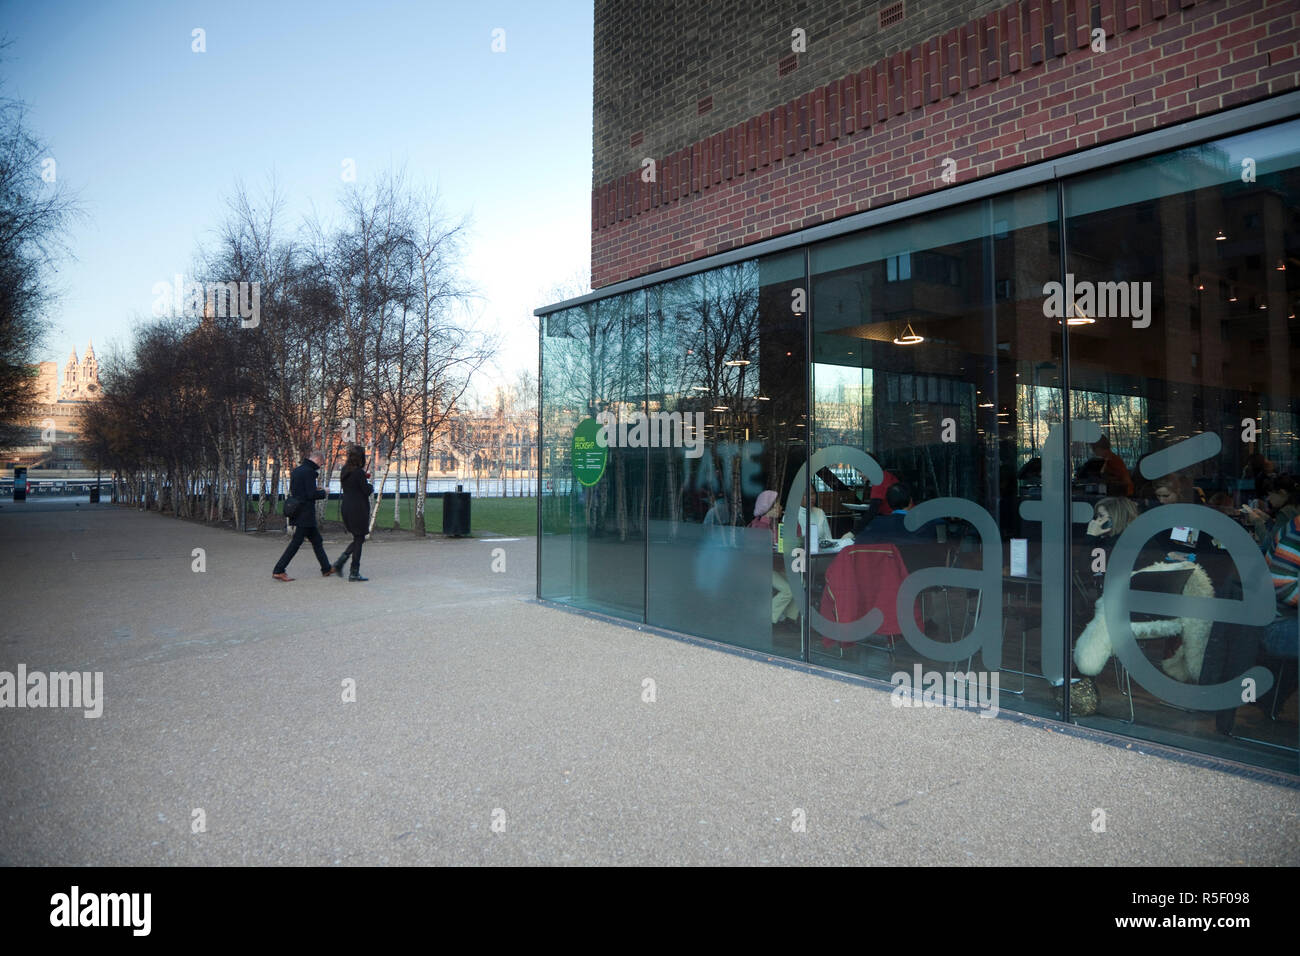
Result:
[[1118, 599]]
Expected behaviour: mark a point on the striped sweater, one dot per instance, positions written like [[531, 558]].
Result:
[[1284, 563]]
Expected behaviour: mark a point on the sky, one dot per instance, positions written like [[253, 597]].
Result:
[[153, 136]]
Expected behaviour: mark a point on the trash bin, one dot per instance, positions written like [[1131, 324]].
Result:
[[94, 496], [455, 513]]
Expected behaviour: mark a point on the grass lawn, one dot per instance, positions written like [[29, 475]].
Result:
[[511, 517]]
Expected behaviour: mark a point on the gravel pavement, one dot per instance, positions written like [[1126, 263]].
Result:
[[487, 728]]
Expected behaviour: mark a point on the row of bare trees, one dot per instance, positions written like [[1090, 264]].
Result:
[[360, 335], [688, 346], [35, 213]]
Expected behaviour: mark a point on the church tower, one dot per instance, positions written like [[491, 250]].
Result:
[[69, 389], [89, 379], [80, 378]]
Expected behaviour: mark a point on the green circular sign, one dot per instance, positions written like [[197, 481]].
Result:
[[589, 458]]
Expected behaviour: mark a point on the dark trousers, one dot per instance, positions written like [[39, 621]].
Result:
[[354, 549], [312, 534]]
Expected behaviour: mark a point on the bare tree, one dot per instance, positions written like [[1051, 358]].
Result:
[[35, 211]]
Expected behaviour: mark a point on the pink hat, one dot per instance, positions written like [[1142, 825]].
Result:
[[764, 503]]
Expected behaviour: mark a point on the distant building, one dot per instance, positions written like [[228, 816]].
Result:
[[47, 382], [81, 379], [55, 424]]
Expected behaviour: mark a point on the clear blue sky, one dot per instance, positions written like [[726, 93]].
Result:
[[153, 136]]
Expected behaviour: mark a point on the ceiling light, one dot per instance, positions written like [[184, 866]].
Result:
[[1281, 265], [1219, 236], [1232, 294], [736, 362], [1079, 317], [909, 337], [763, 398], [699, 388], [720, 408]]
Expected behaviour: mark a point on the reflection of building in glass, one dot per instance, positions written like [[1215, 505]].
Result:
[[804, 270]]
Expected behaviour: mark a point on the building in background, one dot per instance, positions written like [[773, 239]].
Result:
[[81, 379], [987, 249], [47, 383], [55, 428]]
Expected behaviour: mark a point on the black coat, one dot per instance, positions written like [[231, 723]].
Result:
[[356, 501], [302, 485]]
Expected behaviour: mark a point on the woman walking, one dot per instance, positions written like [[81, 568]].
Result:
[[355, 509]]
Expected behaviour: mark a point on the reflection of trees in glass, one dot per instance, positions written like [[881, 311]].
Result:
[[704, 346], [1121, 417], [843, 405], [593, 361], [1279, 435]]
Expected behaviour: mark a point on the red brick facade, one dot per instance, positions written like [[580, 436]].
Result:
[[1012, 88]]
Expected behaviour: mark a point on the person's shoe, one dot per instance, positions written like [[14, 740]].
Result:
[[326, 572], [338, 566], [356, 576], [282, 577]]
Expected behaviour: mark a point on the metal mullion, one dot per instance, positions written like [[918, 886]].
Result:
[[1067, 542]]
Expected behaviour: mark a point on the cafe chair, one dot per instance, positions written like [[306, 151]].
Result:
[[860, 578]]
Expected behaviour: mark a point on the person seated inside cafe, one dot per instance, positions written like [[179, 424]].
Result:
[[888, 526], [821, 527], [920, 548], [767, 515], [878, 499], [1113, 473]]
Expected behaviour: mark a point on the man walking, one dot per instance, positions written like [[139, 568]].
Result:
[[302, 485]]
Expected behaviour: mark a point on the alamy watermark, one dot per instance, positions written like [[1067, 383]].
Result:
[[1085, 301], [217, 299], [75, 908], [966, 689], [56, 689], [656, 430]]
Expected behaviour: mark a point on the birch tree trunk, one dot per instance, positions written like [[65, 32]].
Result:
[[262, 489], [422, 488], [379, 496], [397, 495]]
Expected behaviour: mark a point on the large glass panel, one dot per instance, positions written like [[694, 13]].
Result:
[[726, 402], [1184, 270], [937, 392], [593, 493]]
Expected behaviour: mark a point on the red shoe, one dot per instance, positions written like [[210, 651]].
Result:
[[282, 577]]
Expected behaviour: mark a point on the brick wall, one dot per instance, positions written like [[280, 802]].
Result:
[[657, 60], [1014, 86]]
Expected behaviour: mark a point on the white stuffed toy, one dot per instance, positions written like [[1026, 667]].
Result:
[[1093, 648]]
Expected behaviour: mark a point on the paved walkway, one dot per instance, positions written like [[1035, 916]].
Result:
[[224, 693]]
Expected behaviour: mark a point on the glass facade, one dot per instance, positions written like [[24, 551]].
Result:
[[1040, 447]]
